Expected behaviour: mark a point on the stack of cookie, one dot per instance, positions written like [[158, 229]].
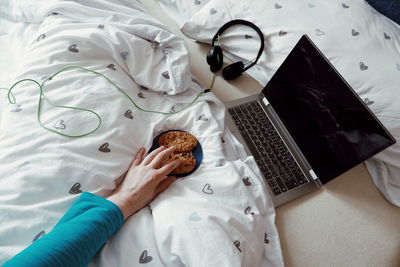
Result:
[[184, 143]]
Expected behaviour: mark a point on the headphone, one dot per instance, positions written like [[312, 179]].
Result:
[[215, 57]]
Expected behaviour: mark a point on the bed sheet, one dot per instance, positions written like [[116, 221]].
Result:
[[219, 216], [345, 31]]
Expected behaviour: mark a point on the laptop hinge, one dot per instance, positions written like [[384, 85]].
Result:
[[313, 175], [265, 100]]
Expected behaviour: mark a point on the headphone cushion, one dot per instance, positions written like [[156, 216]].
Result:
[[233, 71], [215, 58]]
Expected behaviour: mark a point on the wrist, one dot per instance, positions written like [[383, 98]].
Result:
[[121, 204]]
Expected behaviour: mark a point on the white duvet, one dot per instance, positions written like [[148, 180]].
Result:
[[218, 216]]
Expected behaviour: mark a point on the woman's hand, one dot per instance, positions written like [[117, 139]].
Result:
[[144, 180]]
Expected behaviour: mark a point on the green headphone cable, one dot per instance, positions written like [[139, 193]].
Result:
[[12, 99]]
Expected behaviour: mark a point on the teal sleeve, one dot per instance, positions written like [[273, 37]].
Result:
[[76, 238]]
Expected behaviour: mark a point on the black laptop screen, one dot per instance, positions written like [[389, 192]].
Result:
[[330, 124]]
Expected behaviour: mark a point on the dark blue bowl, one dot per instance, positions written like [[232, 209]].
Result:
[[197, 152]]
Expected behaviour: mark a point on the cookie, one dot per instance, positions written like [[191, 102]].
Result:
[[188, 162], [182, 141]]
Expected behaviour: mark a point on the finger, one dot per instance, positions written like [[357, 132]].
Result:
[[158, 159], [151, 156], [139, 156], [164, 184], [168, 168]]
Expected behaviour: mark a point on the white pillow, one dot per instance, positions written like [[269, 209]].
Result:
[[182, 10], [362, 44]]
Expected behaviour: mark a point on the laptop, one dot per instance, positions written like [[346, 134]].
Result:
[[307, 126]]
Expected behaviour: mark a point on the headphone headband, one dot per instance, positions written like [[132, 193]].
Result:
[[247, 23]]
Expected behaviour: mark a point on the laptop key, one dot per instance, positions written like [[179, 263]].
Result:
[[272, 183], [264, 169], [276, 191], [280, 184], [241, 128], [291, 184], [238, 122]]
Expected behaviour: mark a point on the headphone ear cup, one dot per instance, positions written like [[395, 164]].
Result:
[[233, 71], [215, 58]]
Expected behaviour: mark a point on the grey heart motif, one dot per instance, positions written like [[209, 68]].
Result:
[[202, 117], [124, 55], [368, 102], [172, 110], [197, 2], [277, 6], [144, 258], [237, 245], [141, 95], [246, 36], [24, 166], [75, 189], [248, 211], [220, 163], [155, 45], [319, 32], [363, 66], [282, 33], [165, 74], [194, 217], [246, 181], [104, 148], [73, 48], [354, 32], [387, 37], [17, 108], [213, 11], [41, 37], [165, 51], [101, 26], [207, 189], [398, 66], [59, 125], [311, 5], [39, 235], [344, 5], [111, 67], [266, 241], [128, 114]]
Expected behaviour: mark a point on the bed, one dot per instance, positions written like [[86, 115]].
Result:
[[211, 218], [353, 221], [116, 63]]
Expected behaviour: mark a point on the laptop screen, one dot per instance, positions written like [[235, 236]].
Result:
[[330, 124]]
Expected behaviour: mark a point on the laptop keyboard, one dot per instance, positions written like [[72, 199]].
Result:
[[270, 152]]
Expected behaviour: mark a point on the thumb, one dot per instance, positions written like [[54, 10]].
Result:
[[164, 184]]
